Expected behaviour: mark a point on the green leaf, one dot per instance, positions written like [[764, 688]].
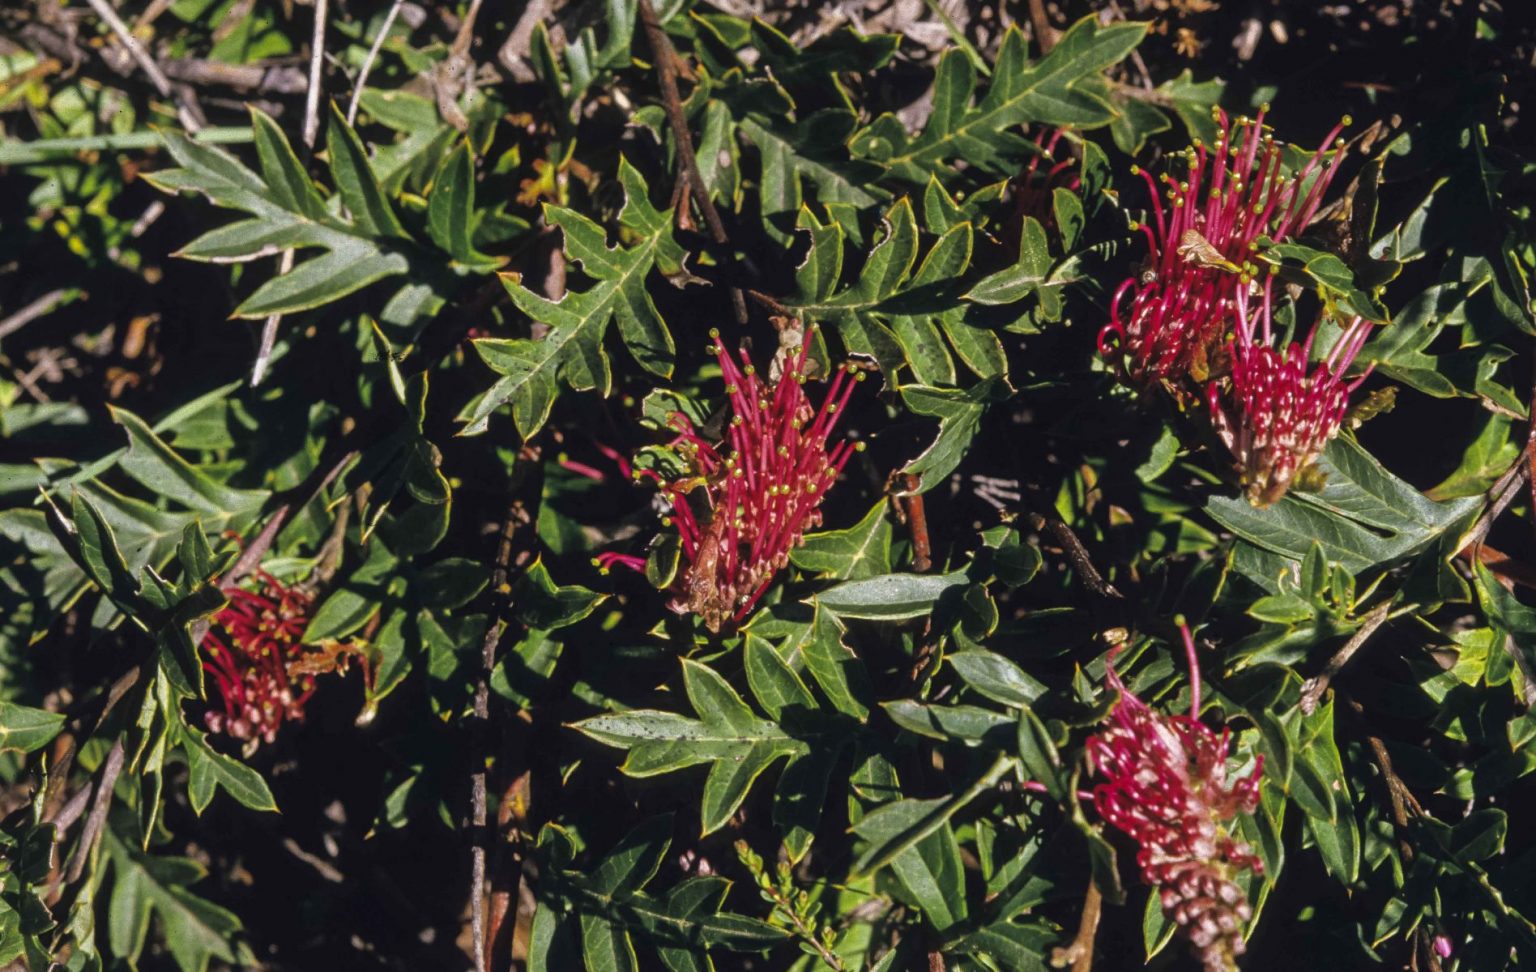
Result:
[[946, 722], [350, 266], [895, 827], [454, 582], [360, 191], [451, 211], [1014, 947], [286, 181], [774, 684], [209, 768], [1363, 517], [196, 931], [862, 550], [572, 351], [1056, 89], [24, 729], [959, 412], [889, 597], [1329, 274], [164, 473], [996, 677], [357, 252], [726, 734], [814, 151], [540, 603], [932, 874]]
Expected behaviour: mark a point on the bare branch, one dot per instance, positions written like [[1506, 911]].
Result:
[[666, 71], [31, 312], [135, 49], [373, 53], [310, 131], [101, 802], [1312, 691]]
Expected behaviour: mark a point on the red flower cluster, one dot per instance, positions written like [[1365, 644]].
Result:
[[1282, 415], [1166, 786], [1184, 300], [762, 486], [252, 652]]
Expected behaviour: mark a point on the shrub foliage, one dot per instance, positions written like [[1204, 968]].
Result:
[[625, 487]]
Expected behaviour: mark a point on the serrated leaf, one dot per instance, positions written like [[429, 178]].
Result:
[[196, 930], [1364, 516], [572, 351], [1055, 89], [209, 768], [727, 735]]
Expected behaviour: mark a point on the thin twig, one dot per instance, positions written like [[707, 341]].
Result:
[[71, 811], [666, 70], [316, 61], [135, 49], [1076, 553], [1500, 495], [1080, 951], [373, 53], [26, 315], [917, 520], [1312, 691], [1045, 34], [100, 803], [1530, 445], [310, 132], [482, 717]]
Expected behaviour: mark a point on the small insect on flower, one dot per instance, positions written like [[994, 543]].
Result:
[[1166, 787], [761, 488], [254, 652], [1283, 410], [1199, 245]]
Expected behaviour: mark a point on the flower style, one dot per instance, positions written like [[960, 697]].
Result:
[[1166, 786], [1183, 300], [1282, 416], [253, 652], [1034, 189], [762, 486]]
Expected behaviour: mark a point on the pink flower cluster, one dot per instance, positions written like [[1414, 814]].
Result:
[[251, 652], [1281, 414], [1166, 787], [761, 488], [1186, 318]]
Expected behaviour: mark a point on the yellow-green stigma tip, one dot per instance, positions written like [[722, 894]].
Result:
[[1135, 170], [1264, 107], [1347, 121], [714, 332], [859, 447]]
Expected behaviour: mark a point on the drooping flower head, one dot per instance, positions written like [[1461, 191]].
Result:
[[1165, 785], [253, 652], [1283, 410], [748, 500], [1165, 321]]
